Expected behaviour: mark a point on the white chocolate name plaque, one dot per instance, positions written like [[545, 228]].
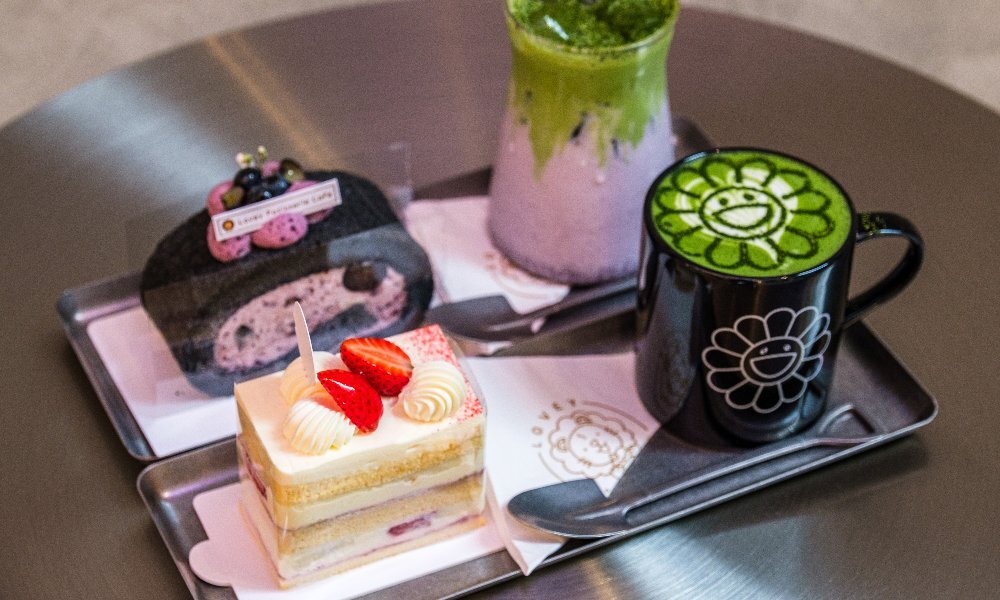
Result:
[[247, 219]]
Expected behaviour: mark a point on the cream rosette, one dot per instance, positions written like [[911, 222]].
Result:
[[295, 386], [435, 391], [311, 427]]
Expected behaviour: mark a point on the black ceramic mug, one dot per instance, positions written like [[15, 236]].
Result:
[[743, 292]]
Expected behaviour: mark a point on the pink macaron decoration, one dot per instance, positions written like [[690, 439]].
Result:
[[227, 250], [300, 185], [281, 231]]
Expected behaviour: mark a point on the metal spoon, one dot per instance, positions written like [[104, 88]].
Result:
[[578, 509]]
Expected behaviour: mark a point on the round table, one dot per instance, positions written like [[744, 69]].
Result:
[[915, 518]]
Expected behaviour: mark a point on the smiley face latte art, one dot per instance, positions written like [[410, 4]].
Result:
[[750, 213]]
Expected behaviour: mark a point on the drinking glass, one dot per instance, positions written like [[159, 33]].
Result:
[[585, 132]]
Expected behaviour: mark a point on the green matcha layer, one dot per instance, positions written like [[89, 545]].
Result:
[[599, 66], [750, 213]]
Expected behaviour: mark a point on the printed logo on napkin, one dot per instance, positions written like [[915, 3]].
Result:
[[247, 219], [587, 439], [554, 419], [561, 418], [514, 281]]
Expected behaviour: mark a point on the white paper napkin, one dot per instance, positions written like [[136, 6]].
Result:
[[172, 414], [553, 419], [465, 263]]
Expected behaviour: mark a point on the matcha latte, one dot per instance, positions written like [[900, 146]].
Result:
[[750, 213], [586, 130]]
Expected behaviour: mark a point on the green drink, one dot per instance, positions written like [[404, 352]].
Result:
[[587, 129], [750, 213], [572, 59]]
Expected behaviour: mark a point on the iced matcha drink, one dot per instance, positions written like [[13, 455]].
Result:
[[586, 130]]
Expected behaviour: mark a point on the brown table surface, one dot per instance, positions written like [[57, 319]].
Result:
[[916, 518]]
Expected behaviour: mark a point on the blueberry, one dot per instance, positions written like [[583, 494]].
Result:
[[243, 334], [362, 277], [268, 188], [276, 185], [247, 178], [258, 194]]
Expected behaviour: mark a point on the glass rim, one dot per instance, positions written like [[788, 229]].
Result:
[[661, 32]]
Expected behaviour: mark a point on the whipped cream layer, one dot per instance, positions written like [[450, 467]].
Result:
[[298, 516], [263, 414]]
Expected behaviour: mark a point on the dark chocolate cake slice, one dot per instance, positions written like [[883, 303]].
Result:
[[355, 272]]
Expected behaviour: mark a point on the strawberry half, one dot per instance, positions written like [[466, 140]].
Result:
[[354, 396], [384, 364]]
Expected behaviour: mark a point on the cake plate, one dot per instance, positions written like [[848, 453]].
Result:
[[868, 378]]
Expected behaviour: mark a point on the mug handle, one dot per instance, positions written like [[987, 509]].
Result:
[[876, 225]]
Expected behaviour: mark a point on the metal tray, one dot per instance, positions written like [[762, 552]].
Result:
[[80, 306], [868, 377]]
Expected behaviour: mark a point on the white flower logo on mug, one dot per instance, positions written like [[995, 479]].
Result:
[[763, 363]]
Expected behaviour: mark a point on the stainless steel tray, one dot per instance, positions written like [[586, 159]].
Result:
[[868, 377], [80, 306]]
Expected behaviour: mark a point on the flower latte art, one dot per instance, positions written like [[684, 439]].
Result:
[[750, 213], [763, 363]]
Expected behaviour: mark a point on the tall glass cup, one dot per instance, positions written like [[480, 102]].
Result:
[[586, 130]]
